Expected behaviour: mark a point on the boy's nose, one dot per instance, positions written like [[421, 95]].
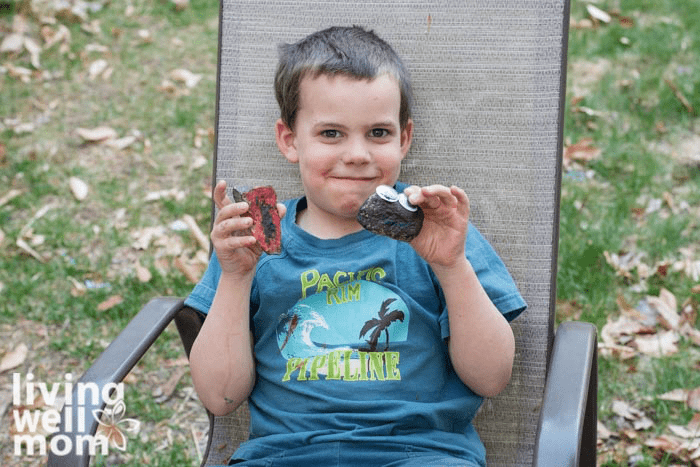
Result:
[[357, 152]]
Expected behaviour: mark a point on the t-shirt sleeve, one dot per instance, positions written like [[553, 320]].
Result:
[[202, 296], [493, 276], [203, 293]]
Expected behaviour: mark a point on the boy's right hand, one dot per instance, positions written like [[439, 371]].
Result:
[[236, 250]]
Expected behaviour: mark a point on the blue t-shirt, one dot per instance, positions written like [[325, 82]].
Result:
[[350, 343]]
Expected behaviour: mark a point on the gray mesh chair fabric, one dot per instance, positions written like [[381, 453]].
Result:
[[488, 81]]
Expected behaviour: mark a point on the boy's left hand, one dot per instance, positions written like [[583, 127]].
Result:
[[442, 238]]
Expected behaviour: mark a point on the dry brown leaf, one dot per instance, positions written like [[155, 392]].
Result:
[[679, 95], [79, 188], [34, 50], [14, 358], [143, 274], [657, 345], [598, 14], [181, 5], [110, 303], [62, 36], [688, 264], [191, 272], [676, 395], [621, 352], [624, 326], [145, 36], [582, 151], [169, 387], [96, 68], [198, 162], [185, 76], [603, 432], [682, 431], [180, 361], [666, 306], [173, 193], [24, 246], [13, 43], [625, 410], [197, 233], [95, 135], [643, 423], [18, 72], [690, 332], [584, 23], [121, 143], [9, 196], [145, 236], [664, 442], [694, 399]]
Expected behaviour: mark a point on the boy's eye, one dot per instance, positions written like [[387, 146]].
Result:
[[378, 132], [330, 133]]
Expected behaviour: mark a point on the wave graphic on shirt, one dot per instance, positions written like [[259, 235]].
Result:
[[294, 333], [368, 317]]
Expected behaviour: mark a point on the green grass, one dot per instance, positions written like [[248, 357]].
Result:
[[90, 240], [638, 114]]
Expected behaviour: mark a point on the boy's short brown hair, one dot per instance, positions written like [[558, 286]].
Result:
[[349, 51]]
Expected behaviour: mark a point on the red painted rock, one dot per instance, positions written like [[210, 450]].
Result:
[[266, 219]]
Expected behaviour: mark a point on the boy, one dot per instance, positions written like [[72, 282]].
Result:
[[352, 348]]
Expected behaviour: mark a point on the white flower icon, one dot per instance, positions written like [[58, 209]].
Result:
[[112, 426]]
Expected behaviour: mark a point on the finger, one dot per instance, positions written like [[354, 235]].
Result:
[[281, 209], [226, 226], [220, 197], [432, 197], [231, 210], [410, 190], [445, 195], [460, 195], [235, 242], [415, 195]]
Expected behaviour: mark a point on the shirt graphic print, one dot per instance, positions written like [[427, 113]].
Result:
[[344, 333]]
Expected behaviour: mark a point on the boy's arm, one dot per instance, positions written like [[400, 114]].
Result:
[[221, 361], [481, 343]]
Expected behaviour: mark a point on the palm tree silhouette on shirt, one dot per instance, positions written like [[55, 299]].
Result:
[[381, 324]]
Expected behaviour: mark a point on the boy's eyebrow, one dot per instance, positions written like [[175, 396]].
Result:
[[331, 123], [388, 123]]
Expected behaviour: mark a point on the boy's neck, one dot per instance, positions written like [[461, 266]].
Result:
[[322, 226]]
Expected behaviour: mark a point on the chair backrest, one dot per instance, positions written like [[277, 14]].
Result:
[[489, 79]]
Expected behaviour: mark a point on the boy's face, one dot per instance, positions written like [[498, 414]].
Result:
[[347, 140]]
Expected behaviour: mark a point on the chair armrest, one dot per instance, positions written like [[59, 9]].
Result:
[[566, 435], [77, 425]]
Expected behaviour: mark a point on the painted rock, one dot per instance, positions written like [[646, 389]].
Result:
[[266, 219], [389, 213]]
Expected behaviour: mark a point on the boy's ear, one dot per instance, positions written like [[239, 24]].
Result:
[[406, 137], [286, 141]]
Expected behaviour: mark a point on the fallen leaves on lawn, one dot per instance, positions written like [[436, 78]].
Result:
[[638, 330], [170, 246], [581, 152], [79, 188], [14, 358], [110, 303], [97, 134], [653, 329], [682, 442]]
